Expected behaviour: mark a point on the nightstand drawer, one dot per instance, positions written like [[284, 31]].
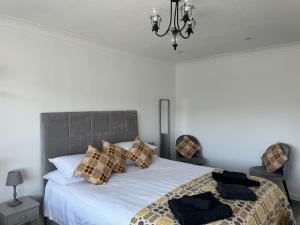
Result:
[[23, 217]]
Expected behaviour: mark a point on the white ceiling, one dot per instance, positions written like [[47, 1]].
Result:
[[222, 25]]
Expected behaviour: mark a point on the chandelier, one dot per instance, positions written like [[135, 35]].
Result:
[[181, 28]]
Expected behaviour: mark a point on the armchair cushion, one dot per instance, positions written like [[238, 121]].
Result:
[[187, 148], [274, 158]]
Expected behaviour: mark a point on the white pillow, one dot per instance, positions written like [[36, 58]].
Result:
[[59, 178], [66, 165], [128, 144]]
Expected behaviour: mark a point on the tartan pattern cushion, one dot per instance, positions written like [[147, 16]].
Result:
[[119, 153], [274, 158], [96, 166], [141, 154], [187, 148]]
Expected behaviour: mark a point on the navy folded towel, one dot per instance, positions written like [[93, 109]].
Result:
[[197, 203], [234, 178], [234, 175], [187, 214], [236, 192]]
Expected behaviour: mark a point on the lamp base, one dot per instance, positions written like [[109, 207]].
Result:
[[14, 203]]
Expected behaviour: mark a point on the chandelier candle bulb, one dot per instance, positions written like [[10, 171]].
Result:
[[155, 20], [154, 14], [187, 6]]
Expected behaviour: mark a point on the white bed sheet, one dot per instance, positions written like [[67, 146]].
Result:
[[116, 202]]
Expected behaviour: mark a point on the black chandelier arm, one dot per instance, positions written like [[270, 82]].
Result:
[[184, 25], [178, 27], [175, 14], [167, 31], [184, 37], [180, 30]]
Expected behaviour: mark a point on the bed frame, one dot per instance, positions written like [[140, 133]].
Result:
[[67, 133]]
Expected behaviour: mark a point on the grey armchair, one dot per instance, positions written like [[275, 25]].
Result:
[[197, 159], [279, 175]]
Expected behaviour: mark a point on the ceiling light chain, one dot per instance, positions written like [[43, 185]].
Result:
[[176, 31]]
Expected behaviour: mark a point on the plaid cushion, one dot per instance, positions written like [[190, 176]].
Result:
[[274, 158], [119, 153], [187, 147], [140, 153], [96, 166]]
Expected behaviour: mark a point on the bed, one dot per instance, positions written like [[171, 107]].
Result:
[[124, 193], [133, 197]]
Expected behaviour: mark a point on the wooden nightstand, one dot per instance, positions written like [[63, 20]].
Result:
[[28, 211]]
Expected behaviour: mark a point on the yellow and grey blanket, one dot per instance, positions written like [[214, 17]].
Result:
[[271, 208]]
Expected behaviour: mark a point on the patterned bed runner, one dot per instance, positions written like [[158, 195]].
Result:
[[271, 208]]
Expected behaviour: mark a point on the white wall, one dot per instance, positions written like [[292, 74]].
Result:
[[238, 105], [45, 71]]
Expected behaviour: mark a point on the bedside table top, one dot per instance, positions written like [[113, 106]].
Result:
[[27, 203]]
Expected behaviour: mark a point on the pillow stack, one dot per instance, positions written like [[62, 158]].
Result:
[[96, 166], [57, 177], [65, 167]]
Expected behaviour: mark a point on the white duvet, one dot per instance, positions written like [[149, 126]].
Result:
[[116, 202]]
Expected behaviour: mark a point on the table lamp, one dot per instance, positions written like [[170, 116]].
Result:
[[14, 178]]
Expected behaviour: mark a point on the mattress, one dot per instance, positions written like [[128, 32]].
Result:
[[116, 202]]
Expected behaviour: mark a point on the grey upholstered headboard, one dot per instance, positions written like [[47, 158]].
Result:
[[66, 133]]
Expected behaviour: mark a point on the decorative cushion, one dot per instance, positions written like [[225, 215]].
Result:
[[96, 167], [140, 153], [119, 153], [274, 158], [187, 148]]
